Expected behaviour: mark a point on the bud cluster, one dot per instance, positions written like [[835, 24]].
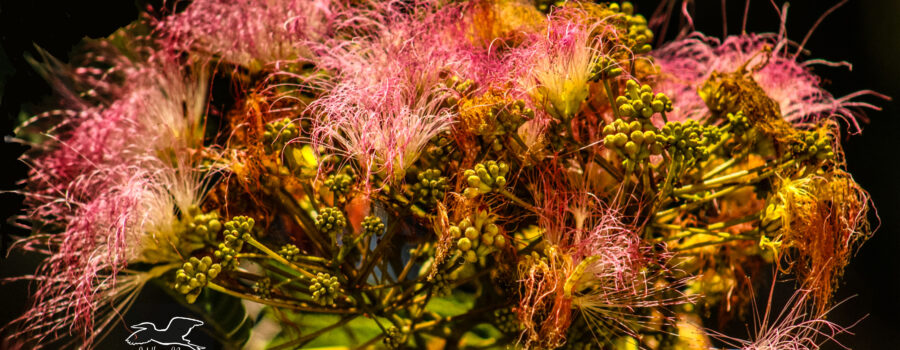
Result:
[[640, 102], [442, 284], [639, 34], [604, 68], [278, 133], [688, 141], [493, 113], [289, 252], [477, 236], [339, 183], [331, 221], [194, 275], [236, 232], [814, 144], [461, 86], [372, 226], [263, 288], [430, 187], [205, 227], [635, 140], [485, 177], [324, 288], [505, 320], [738, 122], [438, 150], [394, 338]]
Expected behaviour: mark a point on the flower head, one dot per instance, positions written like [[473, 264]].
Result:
[[687, 63], [121, 169], [250, 33]]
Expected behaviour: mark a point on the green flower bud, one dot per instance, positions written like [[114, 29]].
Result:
[[394, 338], [472, 233], [331, 221], [339, 184], [499, 242], [431, 186], [485, 177], [506, 321], [631, 148], [441, 285], [464, 244], [627, 110], [324, 288], [263, 288], [289, 252], [372, 226], [278, 134], [194, 275], [620, 140]]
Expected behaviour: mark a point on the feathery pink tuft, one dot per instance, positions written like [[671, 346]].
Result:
[[105, 178], [687, 63], [250, 33]]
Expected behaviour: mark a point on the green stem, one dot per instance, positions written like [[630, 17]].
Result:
[[277, 257], [300, 342], [736, 176], [369, 264], [280, 303], [721, 241], [612, 99], [302, 218], [402, 276], [690, 206], [516, 200]]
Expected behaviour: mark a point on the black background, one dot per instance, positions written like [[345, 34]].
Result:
[[865, 33]]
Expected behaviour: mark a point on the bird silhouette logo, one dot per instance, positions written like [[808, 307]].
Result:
[[175, 334]]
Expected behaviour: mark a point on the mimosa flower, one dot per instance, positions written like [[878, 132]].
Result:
[[561, 64], [118, 172], [687, 63], [823, 221], [133, 219], [384, 133], [796, 327], [387, 102], [250, 33]]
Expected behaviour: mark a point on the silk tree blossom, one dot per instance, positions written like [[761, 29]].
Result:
[[116, 173], [611, 281], [560, 63], [158, 110], [250, 33], [170, 194], [687, 63], [416, 51], [133, 219], [167, 106], [387, 102], [385, 132], [595, 266], [796, 327]]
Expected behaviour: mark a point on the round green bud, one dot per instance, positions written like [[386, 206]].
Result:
[[631, 148], [472, 233], [499, 242], [471, 257], [464, 244], [637, 136]]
